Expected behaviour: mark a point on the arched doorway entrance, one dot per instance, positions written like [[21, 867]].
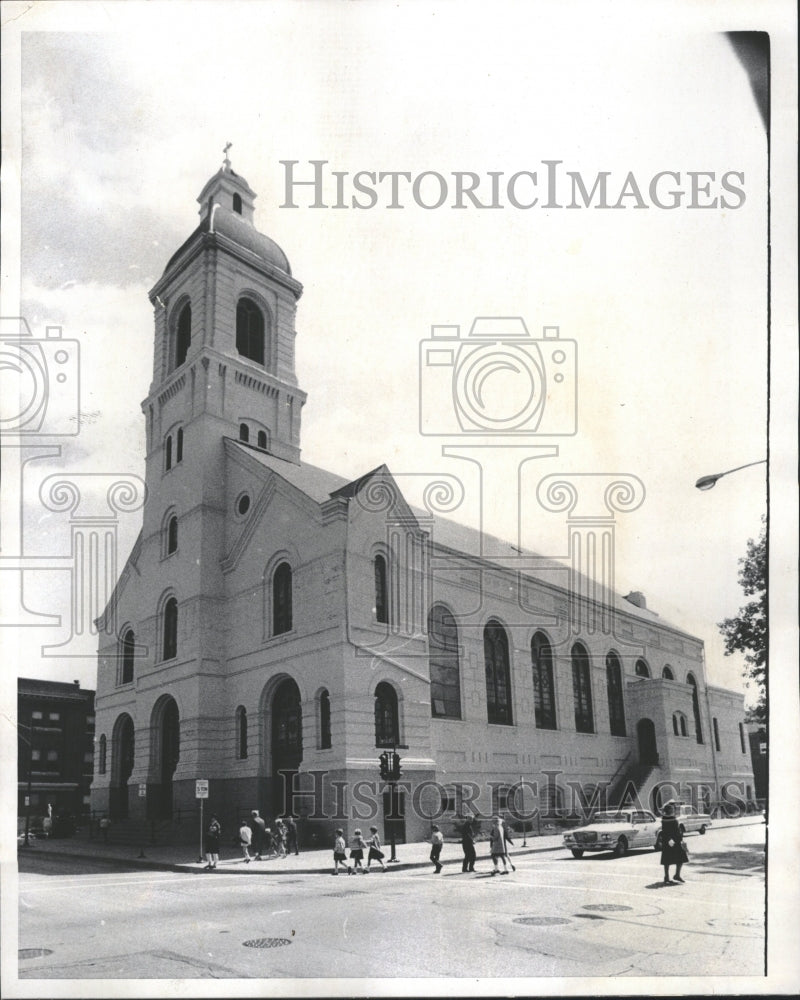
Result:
[[122, 750], [287, 743], [646, 734], [169, 742]]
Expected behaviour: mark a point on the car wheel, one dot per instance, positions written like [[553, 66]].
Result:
[[621, 847], [702, 830], [576, 853]]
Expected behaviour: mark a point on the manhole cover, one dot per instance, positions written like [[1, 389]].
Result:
[[24, 953], [607, 907], [266, 943], [541, 921]]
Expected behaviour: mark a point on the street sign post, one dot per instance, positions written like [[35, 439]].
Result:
[[201, 792]]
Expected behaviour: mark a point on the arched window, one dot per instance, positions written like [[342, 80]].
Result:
[[582, 690], [443, 661], [616, 708], [241, 733], [381, 590], [282, 599], [101, 756], [324, 721], [498, 674], [237, 203], [262, 439], [244, 433], [684, 727], [642, 670], [544, 700], [168, 453], [170, 629], [387, 732], [698, 729], [172, 535], [250, 331], [675, 724], [127, 647], [179, 446], [667, 673], [715, 727], [183, 335]]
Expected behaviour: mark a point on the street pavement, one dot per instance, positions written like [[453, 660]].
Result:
[[99, 915]]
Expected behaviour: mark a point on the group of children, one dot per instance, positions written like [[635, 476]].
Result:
[[357, 852], [499, 839], [266, 842]]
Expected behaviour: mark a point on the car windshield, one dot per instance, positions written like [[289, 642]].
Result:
[[612, 818]]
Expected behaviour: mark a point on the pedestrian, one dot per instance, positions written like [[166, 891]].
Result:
[[291, 836], [436, 848], [339, 856], [279, 838], [357, 853], [468, 846], [508, 840], [257, 826], [672, 850], [497, 846], [268, 848], [245, 838], [213, 834], [375, 852]]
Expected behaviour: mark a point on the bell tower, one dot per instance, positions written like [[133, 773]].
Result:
[[223, 358]]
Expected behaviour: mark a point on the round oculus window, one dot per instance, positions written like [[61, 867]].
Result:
[[243, 504]]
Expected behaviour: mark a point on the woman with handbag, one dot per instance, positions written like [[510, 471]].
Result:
[[672, 850]]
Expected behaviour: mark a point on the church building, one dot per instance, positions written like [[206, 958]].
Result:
[[277, 627]]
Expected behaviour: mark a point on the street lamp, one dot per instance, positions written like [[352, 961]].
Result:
[[708, 482]]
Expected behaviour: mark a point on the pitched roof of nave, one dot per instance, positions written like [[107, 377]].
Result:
[[321, 485]]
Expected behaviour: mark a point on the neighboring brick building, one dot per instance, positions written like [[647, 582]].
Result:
[[56, 741], [276, 618]]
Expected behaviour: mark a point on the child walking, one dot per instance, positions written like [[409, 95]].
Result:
[[245, 839], [357, 853], [375, 852], [436, 848], [339, 856], [497, 846]]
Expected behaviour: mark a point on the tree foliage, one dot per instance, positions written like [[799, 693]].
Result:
[[747, 632]]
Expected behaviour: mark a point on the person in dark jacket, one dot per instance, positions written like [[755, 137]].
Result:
[[291, 836], [468, 846], [212, 838], [258, 826], [672, 851]]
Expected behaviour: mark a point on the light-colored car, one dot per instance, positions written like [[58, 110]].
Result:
[[689, 820], [618, 831]]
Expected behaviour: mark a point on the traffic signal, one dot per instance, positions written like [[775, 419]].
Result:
[[395, 767], [384, 762]]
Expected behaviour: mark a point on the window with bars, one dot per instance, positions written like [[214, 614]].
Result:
[[616, 708], [544, 700], [444, 665], [582, 690], [498, 674]]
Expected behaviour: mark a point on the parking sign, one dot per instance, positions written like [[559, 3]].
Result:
[[201, 788]]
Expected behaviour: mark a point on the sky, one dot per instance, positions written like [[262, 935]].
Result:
[[125, 109]]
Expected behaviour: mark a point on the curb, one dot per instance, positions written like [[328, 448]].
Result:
[[193, 868]]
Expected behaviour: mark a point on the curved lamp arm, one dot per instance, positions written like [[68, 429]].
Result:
[[707, 482]]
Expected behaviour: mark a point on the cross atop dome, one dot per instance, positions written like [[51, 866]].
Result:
[[226, 162]]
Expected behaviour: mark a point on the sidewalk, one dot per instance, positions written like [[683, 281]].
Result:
[[313, 862]]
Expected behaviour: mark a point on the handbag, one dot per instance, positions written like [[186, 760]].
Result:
[[685, 854]]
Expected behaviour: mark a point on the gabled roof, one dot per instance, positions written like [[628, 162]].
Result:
[[321, 485]]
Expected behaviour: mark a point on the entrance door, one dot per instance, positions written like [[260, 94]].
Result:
[[287, 744], [646, 733], [170, 752], [121, 768]]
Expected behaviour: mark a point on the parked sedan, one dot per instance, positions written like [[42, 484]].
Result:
[[617, 831], [690, 820]]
